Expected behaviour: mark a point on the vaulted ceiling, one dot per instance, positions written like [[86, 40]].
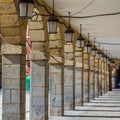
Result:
[[105, 29]]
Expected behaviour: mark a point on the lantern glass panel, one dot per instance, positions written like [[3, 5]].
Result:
[[79, 43], [26, 10], [69, 37], [87, 50], [52, 27], [98, 55], [93, 52]]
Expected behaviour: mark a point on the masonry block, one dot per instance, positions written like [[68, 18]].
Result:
[[6, 96], [9, 20], [36, 25], [55, 44], [68, 87], [12, 116], [55, 72], [40, 46], [37, 55], [7, 10], [38, 76], [11, 71], [39, 90], [68, 48], [55, 36], [37, 35], [15, 96]]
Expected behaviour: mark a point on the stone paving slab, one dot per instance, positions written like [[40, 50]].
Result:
[[108, 99], [82, 118], [110, 96], [103, 101], [98, 108], [102, 104], [93, 113], [106, 107]]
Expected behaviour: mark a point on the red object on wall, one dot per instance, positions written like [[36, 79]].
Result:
[[28, 52]]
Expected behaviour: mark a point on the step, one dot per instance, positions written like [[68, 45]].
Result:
[[82, 118], [105, 101], [117, 109], [102, 104], [93, 113]]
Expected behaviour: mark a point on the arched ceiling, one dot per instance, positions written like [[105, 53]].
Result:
[[106, 29]]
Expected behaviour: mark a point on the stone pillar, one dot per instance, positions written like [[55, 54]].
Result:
[[79, 77], [13, 31], [91, 77], [68, 77], [39, 70], [100, 77], [56, 74], [13, 77], [86, 78], [0, 63], [96, 77], [110, 78], [104, 77], [103, 80]]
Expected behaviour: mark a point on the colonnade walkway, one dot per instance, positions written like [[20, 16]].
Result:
[[106, 107]]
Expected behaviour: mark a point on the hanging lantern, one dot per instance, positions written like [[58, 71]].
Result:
[[52, 22], [105, 58], [112, 63], [98, 55], [26, 8], [80, 40], [88, 48], [93, 51], [102, 57], [108, 61], [69, 33]]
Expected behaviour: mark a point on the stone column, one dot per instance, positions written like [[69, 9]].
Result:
[[79, 77], [96, 77], [68, 77], [103, 80], [86, 78], [104, 77], [39, 70], [110, 78], [56, 74], [100, 78], [107, 77], [0, 63], [13, 77], [91, 77], [13, 51]]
